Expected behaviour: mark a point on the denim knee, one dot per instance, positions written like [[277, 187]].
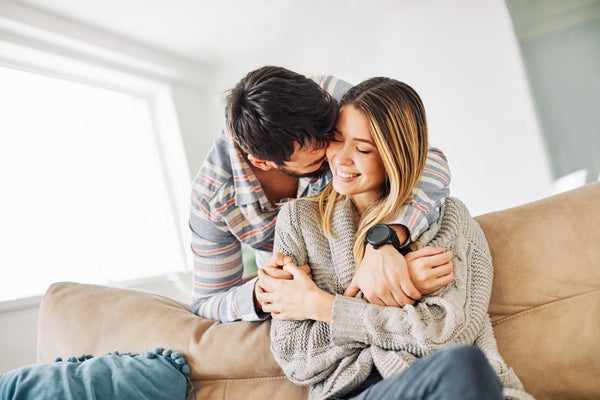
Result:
[[464, 357], [464, 354], [470, 361]]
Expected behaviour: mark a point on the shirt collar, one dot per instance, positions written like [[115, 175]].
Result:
[[312, 186], [247, 187]]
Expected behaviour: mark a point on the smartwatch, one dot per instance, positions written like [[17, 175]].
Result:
[[381, 234]]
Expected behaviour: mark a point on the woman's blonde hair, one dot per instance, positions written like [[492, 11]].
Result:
[[396, 117]]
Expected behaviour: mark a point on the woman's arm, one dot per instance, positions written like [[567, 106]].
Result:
[[454, 314], [304, 349]]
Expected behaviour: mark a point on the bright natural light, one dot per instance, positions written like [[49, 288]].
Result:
[[83, 187]]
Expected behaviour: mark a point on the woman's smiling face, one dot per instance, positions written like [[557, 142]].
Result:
[[354, 160]]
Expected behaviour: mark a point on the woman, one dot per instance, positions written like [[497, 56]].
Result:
[[344, 346]]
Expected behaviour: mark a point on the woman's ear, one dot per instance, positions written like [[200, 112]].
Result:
[[260, 163]]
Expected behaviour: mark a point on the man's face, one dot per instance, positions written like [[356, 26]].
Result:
[[305, 162]]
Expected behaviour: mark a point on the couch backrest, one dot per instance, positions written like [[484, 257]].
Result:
[[545, 308], [545, 302]]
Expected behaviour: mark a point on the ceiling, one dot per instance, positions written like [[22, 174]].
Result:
[[299, 34], [227, 31]]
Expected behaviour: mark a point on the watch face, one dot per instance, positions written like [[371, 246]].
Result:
[[379, 234]]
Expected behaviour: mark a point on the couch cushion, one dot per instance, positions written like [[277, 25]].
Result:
[[545, 302], [554, 349], [544, 251]]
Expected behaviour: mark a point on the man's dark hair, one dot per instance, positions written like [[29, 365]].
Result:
[[272, 108]]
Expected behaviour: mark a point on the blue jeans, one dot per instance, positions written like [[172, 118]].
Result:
[[457, 372]]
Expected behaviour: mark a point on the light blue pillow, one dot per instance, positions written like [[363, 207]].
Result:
[[154, 375]]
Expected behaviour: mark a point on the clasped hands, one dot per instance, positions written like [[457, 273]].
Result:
[[384, 276]]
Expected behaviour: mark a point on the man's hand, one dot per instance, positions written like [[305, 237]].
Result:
[[430, 268], [386, 278], [274, 268], [298, 298], [383, 278]]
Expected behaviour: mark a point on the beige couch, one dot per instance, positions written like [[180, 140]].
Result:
[[545, 308]]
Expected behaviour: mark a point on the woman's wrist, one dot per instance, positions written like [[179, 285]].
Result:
[[322, 305]]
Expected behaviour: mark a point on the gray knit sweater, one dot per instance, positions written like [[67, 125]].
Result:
[[335, 358]]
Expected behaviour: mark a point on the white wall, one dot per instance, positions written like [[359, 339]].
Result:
[[18, 335], [462, 57]]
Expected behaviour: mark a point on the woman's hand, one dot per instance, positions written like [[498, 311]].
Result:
[[298, 298], [274, 268]]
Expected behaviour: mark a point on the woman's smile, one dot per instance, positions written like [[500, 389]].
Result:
[[345, 176]]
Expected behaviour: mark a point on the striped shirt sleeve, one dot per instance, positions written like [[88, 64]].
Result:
[[219, 292], [432, 190]]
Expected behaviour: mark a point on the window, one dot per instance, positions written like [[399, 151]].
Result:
[[85, 188]]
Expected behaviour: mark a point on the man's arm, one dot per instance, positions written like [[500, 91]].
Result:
[[384, 276], [219, 292], [432, 190]]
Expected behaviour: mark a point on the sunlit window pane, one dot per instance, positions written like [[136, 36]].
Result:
[[83, 194]]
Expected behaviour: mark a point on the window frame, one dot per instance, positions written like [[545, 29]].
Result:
[[42, 44]]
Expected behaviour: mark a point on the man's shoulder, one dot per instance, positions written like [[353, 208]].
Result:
[[216, 170], [454, 221], [214, 183], [334, 86]]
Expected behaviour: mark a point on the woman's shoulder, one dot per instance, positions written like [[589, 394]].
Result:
[[454, 220], [298, 210], [455, 208], [300, 206]]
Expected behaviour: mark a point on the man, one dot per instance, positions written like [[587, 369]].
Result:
[[273, 150]]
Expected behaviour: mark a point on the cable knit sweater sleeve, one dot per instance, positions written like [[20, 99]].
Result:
[[454, 314]]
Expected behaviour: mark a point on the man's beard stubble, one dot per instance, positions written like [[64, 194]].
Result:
[[315, 174]]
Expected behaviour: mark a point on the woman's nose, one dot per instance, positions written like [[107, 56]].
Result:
[[342, 157]]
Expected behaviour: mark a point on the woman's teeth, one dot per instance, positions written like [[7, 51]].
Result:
[[345, 175]]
